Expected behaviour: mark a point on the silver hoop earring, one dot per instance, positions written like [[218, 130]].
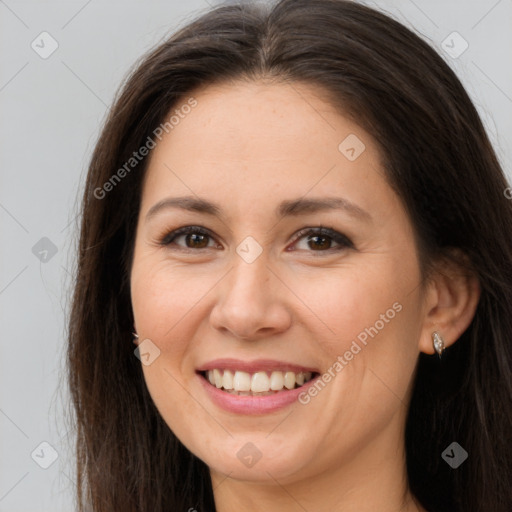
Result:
[[438, 343], [135, 337]]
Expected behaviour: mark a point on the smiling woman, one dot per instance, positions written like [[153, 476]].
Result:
[[290, 260]]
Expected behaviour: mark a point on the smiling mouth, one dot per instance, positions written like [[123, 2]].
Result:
[[260, 383]]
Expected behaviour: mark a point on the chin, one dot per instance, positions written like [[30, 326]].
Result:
[[259, 459]]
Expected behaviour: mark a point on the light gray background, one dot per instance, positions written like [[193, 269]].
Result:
[[51, 113]]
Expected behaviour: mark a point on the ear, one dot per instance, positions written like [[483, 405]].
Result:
[[450, 301]]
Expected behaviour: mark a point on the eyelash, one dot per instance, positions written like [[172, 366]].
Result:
[[338, 238]]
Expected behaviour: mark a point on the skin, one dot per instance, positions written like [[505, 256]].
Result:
[[248, 146]]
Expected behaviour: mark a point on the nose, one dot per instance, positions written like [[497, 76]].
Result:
[[251, 302]]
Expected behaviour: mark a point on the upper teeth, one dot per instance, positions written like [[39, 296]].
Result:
[[258, 382]]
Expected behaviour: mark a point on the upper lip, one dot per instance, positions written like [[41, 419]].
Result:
[[254, 366]]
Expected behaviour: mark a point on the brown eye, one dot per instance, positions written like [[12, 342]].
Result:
[[194, 237], [197, 240], [321, 239], [322, 242]]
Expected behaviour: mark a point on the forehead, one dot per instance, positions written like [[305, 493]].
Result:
[[242, 118], [261, 141]]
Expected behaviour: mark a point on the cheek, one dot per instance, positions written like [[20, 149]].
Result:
[[367, 325], [340, 303], [164, 298], [165, 304]]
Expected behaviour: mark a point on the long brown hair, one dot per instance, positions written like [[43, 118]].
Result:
[[437, 157]]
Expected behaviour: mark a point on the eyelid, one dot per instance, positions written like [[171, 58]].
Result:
[[339, 238], [336, 236], [170, 236]]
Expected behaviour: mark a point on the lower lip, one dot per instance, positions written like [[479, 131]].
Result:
[[246, 404]]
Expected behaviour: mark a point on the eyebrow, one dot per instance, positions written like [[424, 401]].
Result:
[[287, 208]]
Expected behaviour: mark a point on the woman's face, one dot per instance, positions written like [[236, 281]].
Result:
[[248, 295]]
